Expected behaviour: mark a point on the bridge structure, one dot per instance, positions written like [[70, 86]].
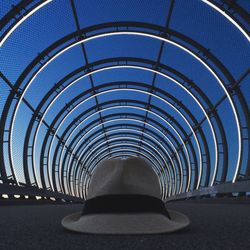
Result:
[[82, 82]]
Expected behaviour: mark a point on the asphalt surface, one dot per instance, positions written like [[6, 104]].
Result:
[[214, 225]]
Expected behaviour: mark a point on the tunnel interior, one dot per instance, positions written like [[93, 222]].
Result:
[[84, 81]]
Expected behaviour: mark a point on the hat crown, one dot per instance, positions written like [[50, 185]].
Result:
[[124, 176]]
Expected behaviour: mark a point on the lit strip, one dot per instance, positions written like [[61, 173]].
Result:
[[135, 90], [144, 92], [123, 154], [145, 35], [133, 107], [125, 144], [137, 67], [44, 113], [166, 76], [230, 19], [133, 120], [22, 20], [135, 131]]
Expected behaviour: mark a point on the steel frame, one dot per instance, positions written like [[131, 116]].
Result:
[[149, 133], [66, 108], [232, 91]]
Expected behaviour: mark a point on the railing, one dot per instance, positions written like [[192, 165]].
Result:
[[241, 186], [30, 192]]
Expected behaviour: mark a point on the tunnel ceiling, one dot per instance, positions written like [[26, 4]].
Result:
[[83, 81]]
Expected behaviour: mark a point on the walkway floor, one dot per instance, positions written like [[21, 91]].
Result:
[[214, 225]]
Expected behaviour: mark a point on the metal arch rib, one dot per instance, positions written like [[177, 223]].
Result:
[[192, 86], [182, 117], [135, 133], [11, 14], [196, 58], [36, 130], [134, 120], [112, 108], [223, 143], [78, 123], [79, 104], [155, 135]]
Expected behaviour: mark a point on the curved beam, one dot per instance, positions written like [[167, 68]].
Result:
[[67, 114], [42, 116], [229, 18], [108, 91], [64, 142], [134, 133], [123, 144], [172, 106], [118, 107], [192, 96], [215, 116], [203, 62], [149, 133], [137, 121], [76, 124], [191, 85], [16, 24]]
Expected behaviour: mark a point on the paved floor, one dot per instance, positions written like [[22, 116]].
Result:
[[214, 225]]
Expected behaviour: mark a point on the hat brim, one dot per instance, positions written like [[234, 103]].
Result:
[[145, 223]]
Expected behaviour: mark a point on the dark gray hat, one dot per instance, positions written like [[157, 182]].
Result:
[[124, 197]]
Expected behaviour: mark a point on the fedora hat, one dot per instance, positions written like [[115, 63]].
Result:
[[124, 197]]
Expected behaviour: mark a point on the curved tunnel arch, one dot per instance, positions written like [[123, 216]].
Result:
[[166, 164], [213, 70], [151, 141], [141, 92], [131, 33], [224, 142], [214, 137], [140, 121], [147, 135], [138, 127]]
